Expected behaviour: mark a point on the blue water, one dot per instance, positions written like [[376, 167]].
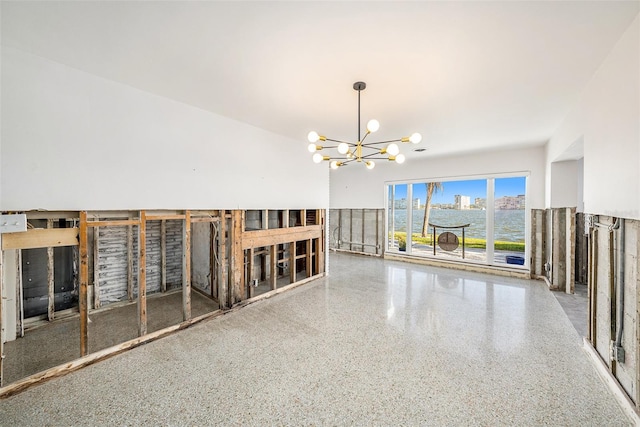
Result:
[[508, 224]]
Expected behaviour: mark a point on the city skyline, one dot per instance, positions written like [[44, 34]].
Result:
[[473, 188]]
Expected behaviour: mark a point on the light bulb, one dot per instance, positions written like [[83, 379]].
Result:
[[393, 149], [400, 158], [415, 138], [313, 136], [312, 148], [343, 148], [335, 165], [317, 158], [373, 125], [370, 164]]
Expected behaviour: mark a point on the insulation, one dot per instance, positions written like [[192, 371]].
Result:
[[174, 254], [112, 260], [112, 263]]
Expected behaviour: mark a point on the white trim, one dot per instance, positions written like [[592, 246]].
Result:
[[490, 221]]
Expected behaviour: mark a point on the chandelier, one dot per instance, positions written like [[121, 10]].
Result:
[[360, 151]]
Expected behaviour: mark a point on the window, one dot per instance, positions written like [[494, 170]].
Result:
[[470, 220]]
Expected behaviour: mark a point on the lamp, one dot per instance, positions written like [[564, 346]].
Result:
[[355, 151]]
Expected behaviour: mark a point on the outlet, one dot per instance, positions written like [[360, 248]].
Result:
[[618, 354], [13, 223]]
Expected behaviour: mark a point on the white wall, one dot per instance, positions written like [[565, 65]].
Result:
[[607, 117], [564, 191], [72, 140], [354, 186]]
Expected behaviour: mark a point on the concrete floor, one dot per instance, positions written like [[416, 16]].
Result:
[[575, 307], [376, 343], [59, 342]]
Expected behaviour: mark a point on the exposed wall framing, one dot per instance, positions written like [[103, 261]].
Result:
[[357, 230], [127, 257], [614, 306]]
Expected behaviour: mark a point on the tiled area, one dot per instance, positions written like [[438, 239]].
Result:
[[376, 343]]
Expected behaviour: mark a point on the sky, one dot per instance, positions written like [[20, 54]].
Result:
[[472, 188]]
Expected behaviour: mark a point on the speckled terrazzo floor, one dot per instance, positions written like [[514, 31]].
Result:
[[376, 343]]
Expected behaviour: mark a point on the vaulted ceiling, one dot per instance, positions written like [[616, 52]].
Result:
[[469, 76]]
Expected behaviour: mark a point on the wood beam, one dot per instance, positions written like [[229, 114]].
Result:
[[260, 238], [186, 266], [40, 238], [142, 275], [84, 283], [237, 257], [50, 279], [165, 217]]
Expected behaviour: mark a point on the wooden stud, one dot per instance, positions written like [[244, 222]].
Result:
[[19, 294], [303, 217], [307, 262], [223, 278], [129, 262], [96, 270], [250, 269], [292, 262], [212, 261], [163, 255], [84, 283], [273, 277], [51, 307], [237, 257], [186, 266], [142, 275]]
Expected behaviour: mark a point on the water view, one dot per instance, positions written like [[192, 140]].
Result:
[[509, 224]]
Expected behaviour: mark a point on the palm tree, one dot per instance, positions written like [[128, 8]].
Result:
[[432, 187]]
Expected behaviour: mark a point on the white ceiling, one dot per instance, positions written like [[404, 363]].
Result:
[[468, 75]]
